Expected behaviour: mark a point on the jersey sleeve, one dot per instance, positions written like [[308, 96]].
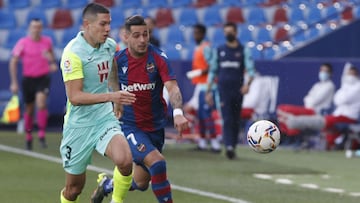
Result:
[[165, 70], [71, 66], [19, 47]]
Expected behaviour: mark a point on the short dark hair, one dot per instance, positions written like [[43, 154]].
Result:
[[134, 20], [201, 28], [329, 66], [231, 24], [93, 9]]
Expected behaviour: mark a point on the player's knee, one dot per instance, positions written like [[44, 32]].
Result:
[[142, 185], [125, 168], [72, 192]]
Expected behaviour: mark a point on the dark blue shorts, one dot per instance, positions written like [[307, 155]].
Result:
[[142, 143]]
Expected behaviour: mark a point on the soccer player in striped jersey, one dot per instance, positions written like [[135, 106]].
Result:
[[144, 70]]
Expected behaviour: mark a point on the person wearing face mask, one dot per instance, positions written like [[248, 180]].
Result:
[[232, 60], [347, 110], [317, 100]]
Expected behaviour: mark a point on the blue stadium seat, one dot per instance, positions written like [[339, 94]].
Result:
[[131, 4], [255, 53], [7, 19], [218, 37], [212, 16], [172, 53], [188, 17], [263, 35], [181, 3], [174, 35], [232, 3], [18, 4], [158, 4], [37, 13], [50, 4], [296, 15], [314, 15], [298, 37], [269, 53], [312, 33], [76, 4], [50, 33], [13, 37], [256, 16], [67, 35], [117, 17], [244, 34], [331, 13]]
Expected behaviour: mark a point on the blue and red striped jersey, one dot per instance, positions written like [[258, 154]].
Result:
[[145, 77]]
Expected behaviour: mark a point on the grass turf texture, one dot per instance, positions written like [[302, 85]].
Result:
[[27, 179]]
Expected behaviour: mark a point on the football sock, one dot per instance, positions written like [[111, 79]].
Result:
[[28, 122], [121, 186], [159, 182], [42, 122], [64, 200]]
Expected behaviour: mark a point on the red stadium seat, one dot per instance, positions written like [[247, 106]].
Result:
[[62, 19], [164, 17], [347, 14], [107, 3], [281, 35], [204, 3], [235, 15], [280, 16]]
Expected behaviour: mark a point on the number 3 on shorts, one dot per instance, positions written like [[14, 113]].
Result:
[[131, 137]]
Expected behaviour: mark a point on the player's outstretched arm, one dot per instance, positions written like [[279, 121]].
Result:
[[77, 97], [180, 122]]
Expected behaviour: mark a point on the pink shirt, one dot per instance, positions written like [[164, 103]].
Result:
[[33, 55]]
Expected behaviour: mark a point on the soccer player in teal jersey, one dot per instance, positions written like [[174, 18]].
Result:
[[90, 122]]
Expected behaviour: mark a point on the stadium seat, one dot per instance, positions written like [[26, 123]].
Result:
[[62, 19], [212, 16], [188, 17], [131, 4], [232, 3], [280, 16], [314, 15], [19, 4], [255, 53], [256, 16], [117, 17], [171, 52], [298, 38], [263, 35], [218, 37], [13, 37], [347, 14], [107, 3], [269, 53], [45, 4], [7, 19], [164, 17], [331, 13], [253, 2], [181, 3], [234, 15], [174, 35], [50, 33], [312, 33], [75, 4], [67, 35], [296, 15], [204, 3], [281, 34], [158, 4], [37, 13], [244, 34]]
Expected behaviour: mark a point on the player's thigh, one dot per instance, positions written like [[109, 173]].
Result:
[[140, 143], [76, 148], [42, 91], [28, 90], [112, 142]]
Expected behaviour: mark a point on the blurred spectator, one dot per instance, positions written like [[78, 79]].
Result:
[[203, 59], [347, 109], [317, 101], [150, 22], [37, 57], [232, 60], [122, 44]]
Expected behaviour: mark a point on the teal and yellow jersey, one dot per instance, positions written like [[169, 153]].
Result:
[[93, 65]]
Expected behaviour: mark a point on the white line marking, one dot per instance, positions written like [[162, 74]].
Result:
[[99, 169], [334, 190], [262, 176], [309, 186], [354, 194], [284, 181]]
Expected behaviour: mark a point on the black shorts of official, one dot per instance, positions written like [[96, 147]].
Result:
[[31, 86]]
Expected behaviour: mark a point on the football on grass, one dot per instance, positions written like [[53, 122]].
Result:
[[263, 136]]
